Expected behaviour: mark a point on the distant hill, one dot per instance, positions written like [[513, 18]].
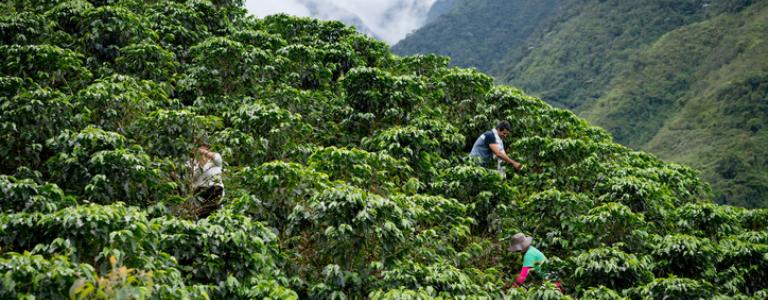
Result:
[[682, 79]]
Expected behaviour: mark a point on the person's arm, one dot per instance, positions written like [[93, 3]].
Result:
[[210, 155], [523, 275], [503, 155]]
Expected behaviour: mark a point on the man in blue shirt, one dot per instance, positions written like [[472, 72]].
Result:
[[490, 145]]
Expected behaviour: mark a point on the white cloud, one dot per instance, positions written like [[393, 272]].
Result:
[[389, 20], [261, 8]]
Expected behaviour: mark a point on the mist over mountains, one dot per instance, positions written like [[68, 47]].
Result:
[[387, 20]]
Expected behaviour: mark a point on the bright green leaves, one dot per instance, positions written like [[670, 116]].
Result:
[[426, 144], [610, 267], [676, 288], [221, 66], [114, 102], [376, 97], [481, 189], [74, 150], [351, 229], [173, 133], [465, 86], [96, 164], [706, 220], [68, 15], [278, 128], [46, 65], [742, 266], [275, 188], [90, 230], [178, 26], [33, 275], [303, 70], [259, 39], [27, 120], [126, 175], [147, 61], [422, 65], [608, 224], [375, 172], [22, 29], [553, 211], [298, 30], [109, 28], [685, 256], [223, 245], [25, 195]]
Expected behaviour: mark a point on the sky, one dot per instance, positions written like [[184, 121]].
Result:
[[389, 20]]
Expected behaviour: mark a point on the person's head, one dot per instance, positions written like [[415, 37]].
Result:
[[519, 242], [503, 129]]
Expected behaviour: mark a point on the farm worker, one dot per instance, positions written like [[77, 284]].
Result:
[[490, 145], [206, 178], [533, 259]]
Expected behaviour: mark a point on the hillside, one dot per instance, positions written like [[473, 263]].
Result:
[[631, 67], [345, 169]]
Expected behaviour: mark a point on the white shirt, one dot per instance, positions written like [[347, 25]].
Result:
[[209, 174]]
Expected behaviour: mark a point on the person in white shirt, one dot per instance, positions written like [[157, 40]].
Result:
[[206, 181]]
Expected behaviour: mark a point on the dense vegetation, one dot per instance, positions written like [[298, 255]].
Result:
[[346, 171], [684, 80]]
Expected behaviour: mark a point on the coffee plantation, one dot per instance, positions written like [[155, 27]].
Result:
[[347, 171]]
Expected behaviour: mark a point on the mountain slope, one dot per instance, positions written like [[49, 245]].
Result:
[[458, 33], [626, 65]]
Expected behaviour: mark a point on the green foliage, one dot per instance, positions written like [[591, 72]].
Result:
[[113, 103], [376, 96], [147, 61], [685, 255], [224, 245], [277, 127], [221, 66], [25, 195], [601, 293], [610, 267], [706, 219], [22, 29], [110, 28], [275, 188], [376, 172], [677, 288], [97, 165], [173, 133], [27, 120], [46, 65], [346, 171], [608, 224]]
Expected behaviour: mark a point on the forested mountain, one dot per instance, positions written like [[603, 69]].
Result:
[[345, 168], [682, 79]]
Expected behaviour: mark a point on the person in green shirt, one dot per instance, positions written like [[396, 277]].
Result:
[[533, 259]]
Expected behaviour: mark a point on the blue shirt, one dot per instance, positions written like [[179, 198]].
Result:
[[482, 148]]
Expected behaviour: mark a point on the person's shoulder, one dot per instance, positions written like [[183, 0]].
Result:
[[536, 252], [490, 137]]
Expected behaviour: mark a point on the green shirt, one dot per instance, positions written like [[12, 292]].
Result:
[[534, 258]]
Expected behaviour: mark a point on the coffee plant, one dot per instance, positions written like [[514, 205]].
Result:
[[346, 171]]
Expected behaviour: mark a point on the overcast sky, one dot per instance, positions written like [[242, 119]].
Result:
[[389, 20]]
